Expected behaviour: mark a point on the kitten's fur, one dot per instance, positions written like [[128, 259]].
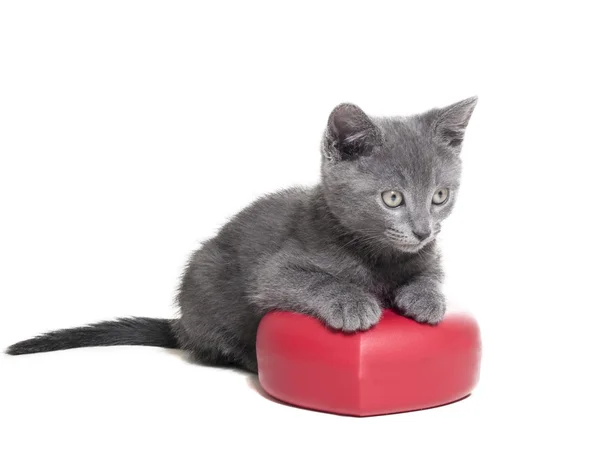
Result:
[[335, 251]]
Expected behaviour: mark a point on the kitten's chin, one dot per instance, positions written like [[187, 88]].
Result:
[[408, 248], [411, 249]]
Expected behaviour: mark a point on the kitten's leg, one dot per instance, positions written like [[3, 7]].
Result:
[[245, 359], [421, 299], [217, 325], [217, 348], [341, 305]]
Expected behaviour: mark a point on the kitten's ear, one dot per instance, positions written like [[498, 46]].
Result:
[[350, 133], [451, 123]]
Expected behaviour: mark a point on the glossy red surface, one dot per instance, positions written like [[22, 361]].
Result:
[[399, 365]]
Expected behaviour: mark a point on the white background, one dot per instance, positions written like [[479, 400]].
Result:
[[130, 131]]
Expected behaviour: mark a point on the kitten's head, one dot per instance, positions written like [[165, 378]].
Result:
[[393, 180]]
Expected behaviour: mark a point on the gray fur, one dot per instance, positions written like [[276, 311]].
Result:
[[335, 251]]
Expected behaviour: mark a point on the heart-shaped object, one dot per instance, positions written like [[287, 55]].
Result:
[[397, 366]]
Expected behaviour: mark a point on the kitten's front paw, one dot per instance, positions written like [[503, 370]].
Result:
[[351, 313], [421, 303]]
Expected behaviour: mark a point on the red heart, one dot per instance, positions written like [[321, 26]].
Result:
[[399, 365]]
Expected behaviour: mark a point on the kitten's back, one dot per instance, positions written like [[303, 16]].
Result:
[[268, 222]]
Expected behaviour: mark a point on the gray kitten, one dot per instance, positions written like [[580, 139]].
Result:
[[361, 240]]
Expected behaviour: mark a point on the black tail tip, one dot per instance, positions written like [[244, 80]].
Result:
[[12, 350], [30, 346], [19, 349]]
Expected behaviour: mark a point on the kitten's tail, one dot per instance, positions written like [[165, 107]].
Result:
[[124, 331]]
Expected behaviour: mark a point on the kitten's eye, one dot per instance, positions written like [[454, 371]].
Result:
[[391, 198], [440, 196]]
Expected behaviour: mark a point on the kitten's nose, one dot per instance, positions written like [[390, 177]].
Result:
[[422, 235]]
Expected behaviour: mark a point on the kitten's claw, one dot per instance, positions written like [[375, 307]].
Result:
[[424, 305], [350, 314]]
